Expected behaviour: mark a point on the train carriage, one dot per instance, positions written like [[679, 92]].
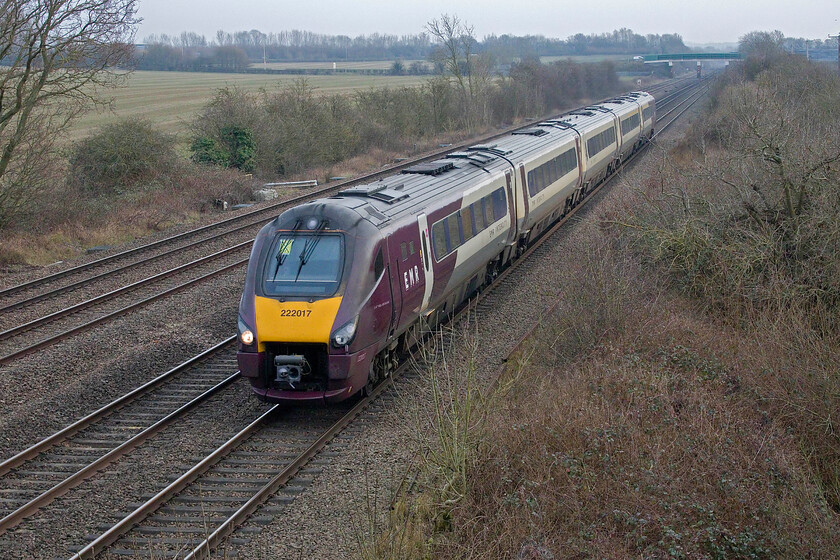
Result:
[[338, 288]]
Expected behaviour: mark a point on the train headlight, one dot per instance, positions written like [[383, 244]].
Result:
[[246, 335], [344, 335]]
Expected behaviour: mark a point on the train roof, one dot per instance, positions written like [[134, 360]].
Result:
[[430, 185]]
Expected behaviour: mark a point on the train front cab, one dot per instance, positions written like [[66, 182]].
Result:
[[316, 304]]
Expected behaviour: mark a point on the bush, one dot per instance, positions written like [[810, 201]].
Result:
[[754, 221], [121, 156], [295, 128], [236, 148], [747, 222]]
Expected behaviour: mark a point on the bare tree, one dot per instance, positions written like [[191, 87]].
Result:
[[456, 54], [56, 56]]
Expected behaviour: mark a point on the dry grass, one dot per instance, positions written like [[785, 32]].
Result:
[[70, 220], [647, 429]]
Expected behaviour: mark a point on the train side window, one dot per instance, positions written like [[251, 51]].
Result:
[[499, 204], [467, 223], [488, 209], [532, 187], [379, 264], [425, 252], [552, 170], [478, 214], [403, 252], [411, 250], [570, 161], [439, 240], [453, 231]]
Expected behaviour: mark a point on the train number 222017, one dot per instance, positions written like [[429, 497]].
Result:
[[295, 312]]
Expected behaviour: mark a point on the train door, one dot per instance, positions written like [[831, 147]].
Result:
[[510, 180], [524, 209], [427, 269], [619, 139]]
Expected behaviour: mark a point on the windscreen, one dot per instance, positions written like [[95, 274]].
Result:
[[304, 265]]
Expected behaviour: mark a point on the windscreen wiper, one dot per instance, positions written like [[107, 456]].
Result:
[[309, 246], [287, 244]]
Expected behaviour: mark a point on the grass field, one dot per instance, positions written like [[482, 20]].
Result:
[[171, 99]]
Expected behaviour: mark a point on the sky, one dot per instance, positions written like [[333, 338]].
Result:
[[700, 21]]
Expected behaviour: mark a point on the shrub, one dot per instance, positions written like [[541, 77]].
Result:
[[120, 157], [235, 148], [748, 224], [295, 128]]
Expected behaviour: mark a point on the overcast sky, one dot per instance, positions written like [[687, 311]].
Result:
[[701, 21]]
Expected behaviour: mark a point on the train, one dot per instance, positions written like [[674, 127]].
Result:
[[339, 288]]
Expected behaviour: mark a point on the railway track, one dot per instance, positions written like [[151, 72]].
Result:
[[165, 530], [44, 471]]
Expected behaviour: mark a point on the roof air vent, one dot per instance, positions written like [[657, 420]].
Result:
[[430, 168], [377, 191], [530, 132]]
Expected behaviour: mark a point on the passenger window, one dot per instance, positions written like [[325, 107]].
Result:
[[454, 233], [411, 250], [425, 252], [478, 214], [467, 223], [403, 252], [439, 240], [499, 204], [488, 209]]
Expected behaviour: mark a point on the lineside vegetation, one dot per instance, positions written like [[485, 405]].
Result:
[[682, 401]]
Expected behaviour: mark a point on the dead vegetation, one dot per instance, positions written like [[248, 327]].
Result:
[[683, 402]]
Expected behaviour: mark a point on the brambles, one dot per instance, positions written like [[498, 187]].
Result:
[[748, 224], [751, 223], [235, 148]]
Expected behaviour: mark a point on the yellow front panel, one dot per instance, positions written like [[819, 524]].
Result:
[[295, 321]]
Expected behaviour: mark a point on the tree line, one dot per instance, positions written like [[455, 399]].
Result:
[[233, 51]]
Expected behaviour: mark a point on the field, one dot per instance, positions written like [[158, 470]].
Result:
[[171, 99]]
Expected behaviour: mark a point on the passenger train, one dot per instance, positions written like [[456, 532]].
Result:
[[339, 288]]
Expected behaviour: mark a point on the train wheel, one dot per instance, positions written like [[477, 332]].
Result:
[[374, 377]]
